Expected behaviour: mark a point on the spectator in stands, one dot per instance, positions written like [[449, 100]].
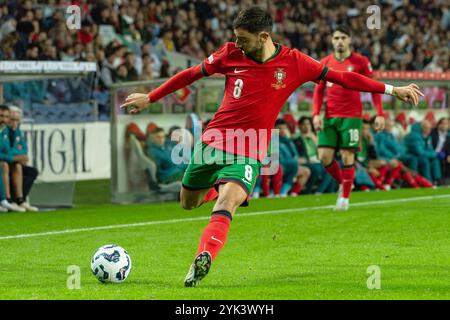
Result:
[[32, 52], [121, 73], [409, 41], [159, 151], [150, 57], [295, 176], [108, 67], [86, 34], [440, 139], [418, 144], [147, 72], [22, 175], [130, 61], [440, 62]]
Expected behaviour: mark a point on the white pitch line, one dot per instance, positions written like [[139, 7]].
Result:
[[249, 214]]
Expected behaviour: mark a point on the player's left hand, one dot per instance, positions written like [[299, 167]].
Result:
[[410, 93], [379, 123]]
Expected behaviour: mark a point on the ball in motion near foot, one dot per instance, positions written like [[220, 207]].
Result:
[[111, 263]]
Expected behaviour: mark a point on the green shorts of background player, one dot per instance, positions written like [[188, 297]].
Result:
[[343, 135]]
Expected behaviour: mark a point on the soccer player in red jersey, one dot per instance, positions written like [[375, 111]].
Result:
[[260, 76], [342, 127]]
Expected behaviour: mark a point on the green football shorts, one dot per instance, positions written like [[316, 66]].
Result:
[[341, 133], [210, 167]]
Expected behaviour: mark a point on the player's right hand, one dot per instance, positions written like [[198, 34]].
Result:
[[317, 123], [135, 102]]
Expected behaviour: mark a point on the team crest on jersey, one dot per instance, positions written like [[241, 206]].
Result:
[[350, 68], [279, 75]]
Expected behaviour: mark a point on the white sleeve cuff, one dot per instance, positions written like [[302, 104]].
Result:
[[388, 89]]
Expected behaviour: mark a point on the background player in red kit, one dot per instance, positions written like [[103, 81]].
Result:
[[260, 76], [342, 127]]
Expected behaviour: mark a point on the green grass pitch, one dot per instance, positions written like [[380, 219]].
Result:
[[309, 253]]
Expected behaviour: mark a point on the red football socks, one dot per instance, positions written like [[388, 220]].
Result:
[[383, 171], [394, 174], [335, 171], [265, 185], [377, 181], [215, 233], [348, 176], [423, 182], [408, 178], [296, 188], [277, 181]]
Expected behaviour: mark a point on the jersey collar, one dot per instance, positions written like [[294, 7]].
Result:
[[351, 52], [277, 51]]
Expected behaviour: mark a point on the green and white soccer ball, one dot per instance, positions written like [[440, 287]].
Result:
[[111, 263]]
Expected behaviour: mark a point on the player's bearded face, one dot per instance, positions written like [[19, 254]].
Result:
[[248, 42], [341, 42], [256, 46]]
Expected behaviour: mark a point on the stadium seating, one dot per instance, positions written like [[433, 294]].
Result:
[[62, 112]]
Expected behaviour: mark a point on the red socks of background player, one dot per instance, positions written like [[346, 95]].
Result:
[[296, 188], [408, 178], [348, 176], [277, 181], [334, 170], [394, 174], [344, 177], [215, 233], [423, 182]]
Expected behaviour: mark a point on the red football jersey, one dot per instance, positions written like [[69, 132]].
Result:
[[254, 94], [341, 102]]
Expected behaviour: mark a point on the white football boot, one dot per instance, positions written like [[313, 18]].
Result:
[[339, 194], [342, 204]]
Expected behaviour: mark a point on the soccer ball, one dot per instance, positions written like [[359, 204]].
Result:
[[111, 263]]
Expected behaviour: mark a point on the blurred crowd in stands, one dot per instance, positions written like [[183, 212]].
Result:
[[128, 39], [132, 35], [408, 153]]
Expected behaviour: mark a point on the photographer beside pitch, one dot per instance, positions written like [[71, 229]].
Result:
[[261, 75]]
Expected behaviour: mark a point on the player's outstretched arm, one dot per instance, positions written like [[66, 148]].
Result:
[[355, 81], [139, 101]]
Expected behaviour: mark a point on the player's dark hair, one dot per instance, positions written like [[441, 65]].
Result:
[[254, 20], [280, 122], [441, 120], [4, 107], [303, 119], [172, 129], [343, 28], [306, 118]]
